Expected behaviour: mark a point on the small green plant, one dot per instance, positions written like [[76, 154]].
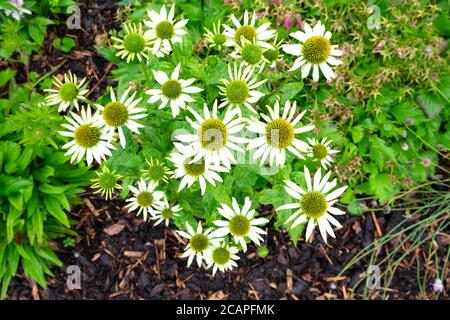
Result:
[[37, 187]]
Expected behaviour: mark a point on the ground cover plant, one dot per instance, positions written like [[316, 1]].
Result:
[[228, 123]]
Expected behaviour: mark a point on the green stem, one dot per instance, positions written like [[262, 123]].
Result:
[[146, 74]]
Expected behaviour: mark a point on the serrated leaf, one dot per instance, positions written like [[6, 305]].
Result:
[[430, 103]]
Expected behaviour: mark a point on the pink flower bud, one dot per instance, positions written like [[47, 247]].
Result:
[[298, 17], [288, 23]]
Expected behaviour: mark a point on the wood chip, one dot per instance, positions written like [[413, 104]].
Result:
[[133, 254], [114, 229], [96, 256], [289, 280], [219, 295]]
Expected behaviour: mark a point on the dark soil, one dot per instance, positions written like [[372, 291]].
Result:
[[142, 261]]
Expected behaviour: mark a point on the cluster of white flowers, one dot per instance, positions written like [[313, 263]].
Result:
[[216, 137]]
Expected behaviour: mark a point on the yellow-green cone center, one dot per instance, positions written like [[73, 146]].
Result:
[[213, 134], [165, 30], [279, 133], [319, 151], [167, 213], [221, 255], [171, 89], [246, 31], [199, 242], [144, 199], [220, 39], [134, 43], [313, 204], [271, 54], [316, 49], [237, 91], [107, 181], [87, 136], [239, 226], [251, 53], [194, 169], [155, 172], [68, 92], [115, 114]]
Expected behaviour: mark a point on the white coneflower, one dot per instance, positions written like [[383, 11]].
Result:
[[240, 223], [250, 53], [278, 134], [199, 242], [249, 31], [144, 198], [315, 204], [215, 138], [89, 138], [240, 89], [163, 30], [135, 44], [274, 55], [68, 92], [164, 211], [20, 10], [106, 183], [221, 257], [156, 171], [216, 38], [315, 51], [191, 171], [174, 92], [122, 113], [321, 151]]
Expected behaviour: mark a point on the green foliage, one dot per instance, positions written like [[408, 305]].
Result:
[[19, 38], [37, 187]]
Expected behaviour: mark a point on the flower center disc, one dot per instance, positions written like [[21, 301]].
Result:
[[246, 31], [144, 199], [219, 39], [316, 49], [213, 134], [194, 169], [271, 54], [167, 214], [279, 133], [107, 181], [87, 136], [237, 91], [155, 173], [115, 114], [165, 30], [314, 204], [134, 43], [199, 242], [319, 151], [221, 255], [68, 91], [171, 89], [251, 53], [239, 226]]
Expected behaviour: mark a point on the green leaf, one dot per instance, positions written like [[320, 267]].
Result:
[[381, 186], [290, 90], [430, 103], [6, 75], [54, 208], [357, 133], [49, 189]]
